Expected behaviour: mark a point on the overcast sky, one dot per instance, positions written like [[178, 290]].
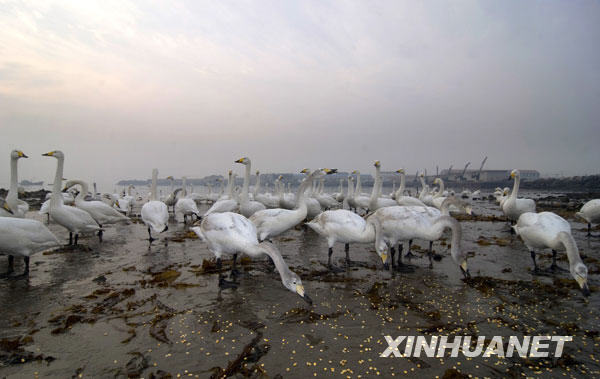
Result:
[[124, 86]]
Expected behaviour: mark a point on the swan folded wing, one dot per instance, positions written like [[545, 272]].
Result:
[[102, 212], [156, 215], [74, 219]]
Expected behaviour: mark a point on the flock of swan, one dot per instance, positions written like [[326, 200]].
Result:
[[240, 222]]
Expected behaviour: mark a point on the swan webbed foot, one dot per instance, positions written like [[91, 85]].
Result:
[[223, 283], [405, 269], [465, 273], [409, 255], [437, 257], [335, 269], [386, 266], [556, 268]]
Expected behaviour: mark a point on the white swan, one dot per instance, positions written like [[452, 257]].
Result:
[[404, 223], [75, 220], [155, 214], [360, 199], [590, 212], [376, 201], [439, 196], [287, 200], [24, 237], [513, 207], [227, 202], [344, 226], [326, 201], [232, 234], [313, 208], [425, 196], [185, 205], [267, 199], [272, 222], [171, 199], [12, 206], [340, 196], [247, 206], [101, 212], [402, 199], [548, 230]]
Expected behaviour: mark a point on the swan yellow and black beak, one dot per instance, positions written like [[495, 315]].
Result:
[[400, 171], [5, 206], [241, 160], [355, 172], [330, 171], [377, 164], [21, 154], [49, 154], [512, 175], [304, 171], [583, 284], [300, 291]]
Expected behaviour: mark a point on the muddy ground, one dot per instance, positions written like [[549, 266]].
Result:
[[121, 308]]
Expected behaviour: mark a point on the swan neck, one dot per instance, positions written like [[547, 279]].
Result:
[[13, 190], [275, 255], [444, 222], [56, 196], [153, 188], [570, 247], [246, 185], [515, 190]]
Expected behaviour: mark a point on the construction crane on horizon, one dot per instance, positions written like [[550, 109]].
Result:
[[462, 176], [478, 175]]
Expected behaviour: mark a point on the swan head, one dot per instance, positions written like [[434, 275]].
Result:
[[579, 272], [257, 172], [437, 181], [422, 175], [244, 161], [515, 174], [377, 164], [16, 154], [170, 177], [355, 172], [294, 284], [329, 171], [304, 171], [400, 171], [56, 154]]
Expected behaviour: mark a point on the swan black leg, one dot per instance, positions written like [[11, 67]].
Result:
[[554, 266], [409, 255], [401, 267], [329, 265], [349, 262], [535, 266], [222, 282], [430, 254], [100, 232], [234, 271], [589, 234], [70, 238], [512, 231], [26, 260], [11, 268], [76, 238], [392, 255], [150, 235]]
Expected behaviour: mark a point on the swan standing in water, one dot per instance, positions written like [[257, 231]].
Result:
[[425, 196], [171, 200], [23, 238], [185, 205], [360, 200], [590, 212], [101, 212], [12, 206], [75, 220], [155, 214], [403, 223], [344, 226], [548, 230], [513, 207], [232, 234], [272, 222], [248, 207]]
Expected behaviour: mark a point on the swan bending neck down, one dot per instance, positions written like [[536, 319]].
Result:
[[12, 206], [75, 220], [272, 222], [549, 230], [232, 234], [155, 213], [404, 223]]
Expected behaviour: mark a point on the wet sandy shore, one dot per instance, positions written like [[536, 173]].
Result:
[[120, 308]]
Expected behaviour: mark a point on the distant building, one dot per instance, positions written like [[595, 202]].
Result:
[[487, 175]]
